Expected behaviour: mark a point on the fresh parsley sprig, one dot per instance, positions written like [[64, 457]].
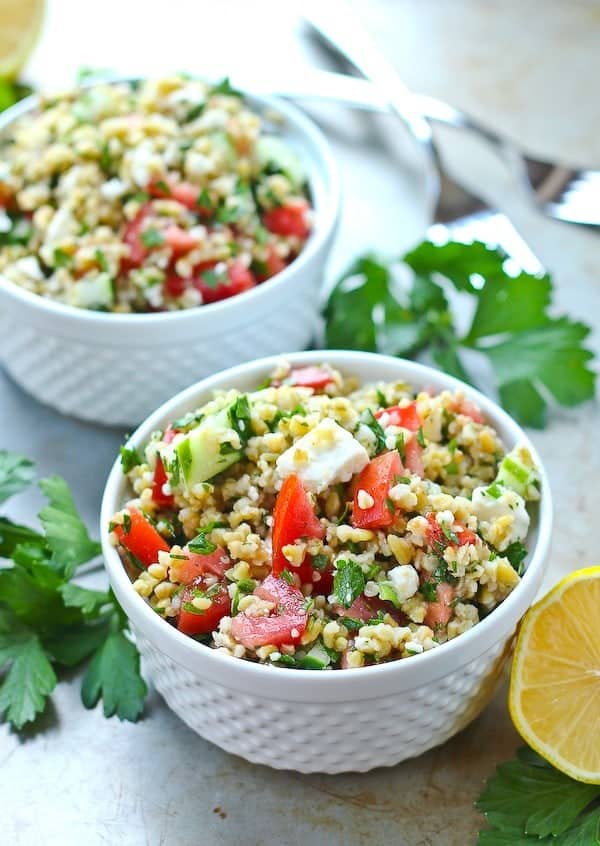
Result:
[[47, 621], [532, 355], [527, 801]]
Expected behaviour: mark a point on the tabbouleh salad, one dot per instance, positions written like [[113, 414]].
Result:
[[155, 196], [318, 523]]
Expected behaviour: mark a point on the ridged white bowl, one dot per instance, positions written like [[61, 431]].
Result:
[[115, 369], [342, 719]]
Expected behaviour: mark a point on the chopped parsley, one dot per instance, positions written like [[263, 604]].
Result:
[[194, 112], [516, 554], [348, 581], [225, 88], [320, 561], [368, 419], [61, 258], [240, 418], [130, 458], [201, 544], [400, 445], [429, 591], [450, 535], [152, 237], [101, 261]]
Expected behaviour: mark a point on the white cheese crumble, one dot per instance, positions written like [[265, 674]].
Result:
[[490, 510], [325, 456], [405, 580]]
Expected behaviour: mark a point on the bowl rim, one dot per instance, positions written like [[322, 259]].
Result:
[[325, 221], [434, 663]]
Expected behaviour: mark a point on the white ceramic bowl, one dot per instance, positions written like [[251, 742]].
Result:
[[345, 719], [115, 369]]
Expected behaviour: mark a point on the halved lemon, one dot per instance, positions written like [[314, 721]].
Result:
[[20, 23], [554, 694]]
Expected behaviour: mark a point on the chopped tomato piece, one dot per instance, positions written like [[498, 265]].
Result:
[[274, 263], [359, 610], [286, 625], [438, 613], [141, 538], [199, 565], [406, 416], [179, 240], [175, 285], [413, 456], [192, 620], [131, 237], [376, 479], [436, 537], [160, 478], [322, 580], [471, 410], [169, 434], [237, 280], [183, 192], [290, 219], [309, 377], [293, 518]]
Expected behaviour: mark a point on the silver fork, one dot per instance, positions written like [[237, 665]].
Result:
[[560, 193]]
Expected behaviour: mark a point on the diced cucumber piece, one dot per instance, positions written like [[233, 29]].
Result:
[[95, 292], [203, 453], [272, 151], [518, 473], [316, 658], [387, 593]]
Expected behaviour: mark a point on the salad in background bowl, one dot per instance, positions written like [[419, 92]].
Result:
[[291, 532], [147, 222]]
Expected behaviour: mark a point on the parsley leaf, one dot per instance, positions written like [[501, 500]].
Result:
[[30, 679], [369, 420], [516, 554], [16, 473], [201, 544], [152, 237], [66, 534], [114, 675], [47, 619], [348, 582], [130, 458], [528, 799], [532, 354]]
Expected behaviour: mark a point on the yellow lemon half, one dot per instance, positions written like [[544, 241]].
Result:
[[20, 23], [554, 694]]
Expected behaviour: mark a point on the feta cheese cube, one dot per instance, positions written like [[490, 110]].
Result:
[[405, 580], [502, 520], [325, 456]]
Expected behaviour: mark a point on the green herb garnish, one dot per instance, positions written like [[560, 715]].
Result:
[[531, 352], [47, 620], [368, 419], [130, 458], [528, 801], [348, 581], [152, 237]]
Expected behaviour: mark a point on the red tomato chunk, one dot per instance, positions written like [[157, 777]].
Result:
[[293, 518], [193, 620], [286, 624], [142, 539], [376, 479], [290, 219]]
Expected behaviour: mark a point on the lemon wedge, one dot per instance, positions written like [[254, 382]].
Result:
[[20, 24], [554, 697]]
